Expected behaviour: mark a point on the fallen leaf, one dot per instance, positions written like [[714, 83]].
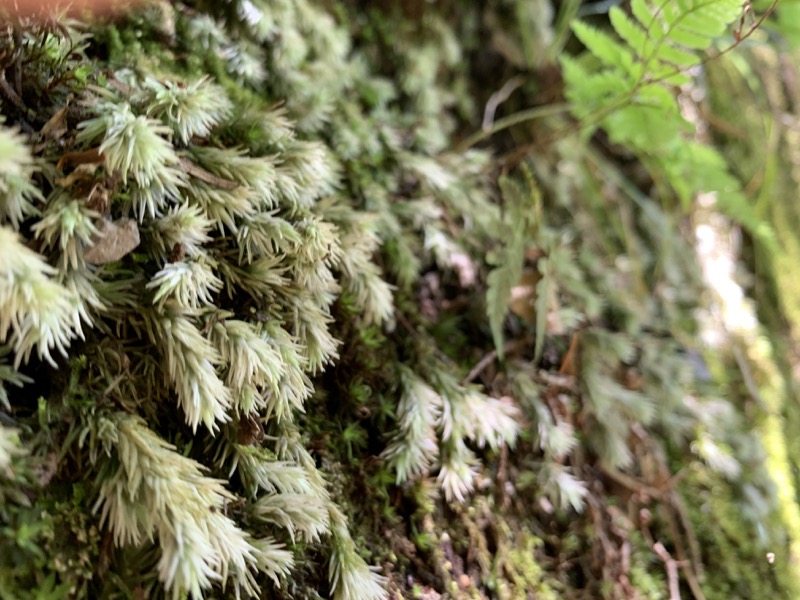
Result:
[[93, 155], [98, 198], [81, 173], [56, 126], [115, 239]]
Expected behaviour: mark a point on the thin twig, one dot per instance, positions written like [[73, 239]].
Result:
[[631, 483], [206, 177], [694, 546], [490, 357], [747, 375], [498, 98], [502, 477], [17, 35], [10, 93], [689, 573], [408, 326], [522, 116], [672, 570], [557, 380]]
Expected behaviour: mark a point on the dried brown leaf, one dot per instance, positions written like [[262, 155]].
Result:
[[116, 239]]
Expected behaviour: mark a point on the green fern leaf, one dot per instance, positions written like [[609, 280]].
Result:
[[632, 95], [543, 291], [656, 46], [604, 47], [521, 211]]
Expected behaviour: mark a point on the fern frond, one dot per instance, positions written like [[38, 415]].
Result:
[[661, 40], [521, 210], [631, 96]]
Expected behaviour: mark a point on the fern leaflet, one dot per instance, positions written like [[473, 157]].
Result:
[[522, 213], [625, 84]]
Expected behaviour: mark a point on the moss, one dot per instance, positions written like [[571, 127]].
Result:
[[56, 544], [516, 567], [736, 563], [325, 223]]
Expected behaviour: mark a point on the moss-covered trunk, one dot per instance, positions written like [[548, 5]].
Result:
[[364, 300]]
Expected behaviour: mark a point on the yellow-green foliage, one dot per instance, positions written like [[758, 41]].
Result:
[[726, 548], [515, 567], [626, 87]]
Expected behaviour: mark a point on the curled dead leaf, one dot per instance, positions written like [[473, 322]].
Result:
[[56, 126], [69, 159], [115, 240], [83, 172]]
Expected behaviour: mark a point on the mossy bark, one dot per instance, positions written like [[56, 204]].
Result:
[[291, 375]]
